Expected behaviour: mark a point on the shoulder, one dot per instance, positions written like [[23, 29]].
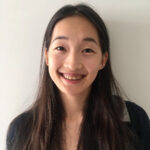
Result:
[[137, 113], [20, 123], [140, 123]]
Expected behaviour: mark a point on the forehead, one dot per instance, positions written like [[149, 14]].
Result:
[[75, 27]]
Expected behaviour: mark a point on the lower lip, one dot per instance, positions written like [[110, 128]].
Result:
[[70, 81]]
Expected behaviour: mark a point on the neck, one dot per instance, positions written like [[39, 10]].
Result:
[[74, 105]]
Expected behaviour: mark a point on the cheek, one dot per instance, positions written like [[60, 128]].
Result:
[[93, 66], [53, 63]]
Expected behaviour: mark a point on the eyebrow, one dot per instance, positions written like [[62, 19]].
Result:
[[61, 38], [88, 39]]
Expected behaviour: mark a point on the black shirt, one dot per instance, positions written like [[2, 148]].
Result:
[[138, 122]]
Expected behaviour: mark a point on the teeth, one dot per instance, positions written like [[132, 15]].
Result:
[[72, 77]]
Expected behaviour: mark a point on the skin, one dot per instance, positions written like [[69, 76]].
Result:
[[75, 53]]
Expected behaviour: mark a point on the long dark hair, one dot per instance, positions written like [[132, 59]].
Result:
[[102, 127]]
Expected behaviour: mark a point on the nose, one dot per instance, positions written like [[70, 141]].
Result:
[[73, 62]]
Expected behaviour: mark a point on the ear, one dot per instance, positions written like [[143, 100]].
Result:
[[104, 60], [46, 56]]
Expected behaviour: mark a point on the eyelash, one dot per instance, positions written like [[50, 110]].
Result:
[[89, 50], [61, 48]]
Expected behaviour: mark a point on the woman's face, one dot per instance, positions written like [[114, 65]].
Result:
[[74, 56]]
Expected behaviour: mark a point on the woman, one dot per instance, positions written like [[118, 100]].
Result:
[[78, 106]]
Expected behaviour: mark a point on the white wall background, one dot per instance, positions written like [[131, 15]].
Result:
[[22, 26]]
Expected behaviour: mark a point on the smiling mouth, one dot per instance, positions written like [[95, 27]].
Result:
[[72, 76]]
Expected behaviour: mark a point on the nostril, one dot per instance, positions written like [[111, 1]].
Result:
[[73, 66]]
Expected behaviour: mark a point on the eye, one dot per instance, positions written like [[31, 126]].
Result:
[[60, 48], [88, 50]]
